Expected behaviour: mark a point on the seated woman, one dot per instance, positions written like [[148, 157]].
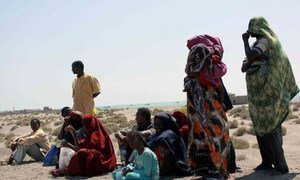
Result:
[[145, 161], [183, 125], [94, 153], [74, 119], [30, 144], [168, 146]]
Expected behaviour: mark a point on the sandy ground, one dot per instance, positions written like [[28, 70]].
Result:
[[247, 159]]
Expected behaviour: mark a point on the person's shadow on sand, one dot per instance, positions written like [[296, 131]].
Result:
[[268, 174]]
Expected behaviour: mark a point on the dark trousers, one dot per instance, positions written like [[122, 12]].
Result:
[[271, 150]]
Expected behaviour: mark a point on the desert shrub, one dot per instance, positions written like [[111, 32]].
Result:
[[295, 109], [117, 119], [240, 131], [47, 129], [233, 124], [156, 111], [242, 123], [292, 116], [255, 146], [57, 123], [250, 130], [240, 157], [2, 136], [240, 143], [111, 128], [13, 128], [55, 131], [183, 109], [284, 131], [297, 121], [297, 104], [1, 127], [250, 124], [9, 136]]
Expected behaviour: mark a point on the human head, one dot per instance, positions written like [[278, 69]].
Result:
[[77, 67], [163, 122], [143, 116], [181, 118], [259, 27], [136, 141], [35, 124], [75, 119], [65, 111]]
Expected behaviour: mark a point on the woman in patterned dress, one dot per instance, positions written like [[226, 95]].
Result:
[[270, 85]]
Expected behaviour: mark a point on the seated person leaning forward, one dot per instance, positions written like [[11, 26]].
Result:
[[94, 153], [145, 161], [168, 146], [75, 120], [143, 126], [32, 144]]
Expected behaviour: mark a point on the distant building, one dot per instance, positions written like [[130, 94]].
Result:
[[46, 108], [235, 100]]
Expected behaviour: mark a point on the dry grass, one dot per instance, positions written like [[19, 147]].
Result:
[[13, 128], [297, 121], [156, 111], [55, 131], [250, 130], [284, 131], [240, 157], [241, 112], [240, 143], [233, 124], [255, 146], [240, 131]]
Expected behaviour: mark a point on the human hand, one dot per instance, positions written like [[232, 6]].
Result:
[[13, 146], [246, 36], [70, 129]]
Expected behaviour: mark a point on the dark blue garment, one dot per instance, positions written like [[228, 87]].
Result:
[[171, 139]]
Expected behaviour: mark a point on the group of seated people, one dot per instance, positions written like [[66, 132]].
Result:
[[154, 149]]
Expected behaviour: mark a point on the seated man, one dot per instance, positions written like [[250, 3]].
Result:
[[143, 127], [32, 144], [73, 118]]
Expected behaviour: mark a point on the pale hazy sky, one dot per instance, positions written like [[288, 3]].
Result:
[[136, 48]]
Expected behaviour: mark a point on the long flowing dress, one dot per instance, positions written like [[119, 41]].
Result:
[[96, 154], [209, 135], [270, 88]]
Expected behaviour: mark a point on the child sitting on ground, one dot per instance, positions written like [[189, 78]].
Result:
[[145, 161]]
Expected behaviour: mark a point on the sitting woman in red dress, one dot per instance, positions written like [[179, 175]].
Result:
[[94, 153]]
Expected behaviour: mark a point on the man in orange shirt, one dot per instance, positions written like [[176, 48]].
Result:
[[85, 89]]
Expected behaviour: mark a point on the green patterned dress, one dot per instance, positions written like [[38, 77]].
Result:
[[271, 88]]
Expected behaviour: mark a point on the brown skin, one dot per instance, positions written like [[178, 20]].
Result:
[[158, 125], [34, 126], [251, 55]]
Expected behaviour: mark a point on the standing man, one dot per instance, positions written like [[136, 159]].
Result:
[[85, 89]]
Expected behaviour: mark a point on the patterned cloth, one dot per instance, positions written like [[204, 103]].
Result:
[[209, 136], [272, 86]]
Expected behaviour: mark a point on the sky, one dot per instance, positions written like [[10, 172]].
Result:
[[135, 48]]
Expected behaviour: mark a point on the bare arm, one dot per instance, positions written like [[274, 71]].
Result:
[[73, 133], [250, 54], [61, 133]]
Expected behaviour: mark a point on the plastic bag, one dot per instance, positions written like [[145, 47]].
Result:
[[51, 156], [65, 156]]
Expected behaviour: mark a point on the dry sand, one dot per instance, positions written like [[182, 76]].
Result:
[[247, 159]]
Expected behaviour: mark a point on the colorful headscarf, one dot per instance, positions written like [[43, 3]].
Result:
[[270, 88]]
